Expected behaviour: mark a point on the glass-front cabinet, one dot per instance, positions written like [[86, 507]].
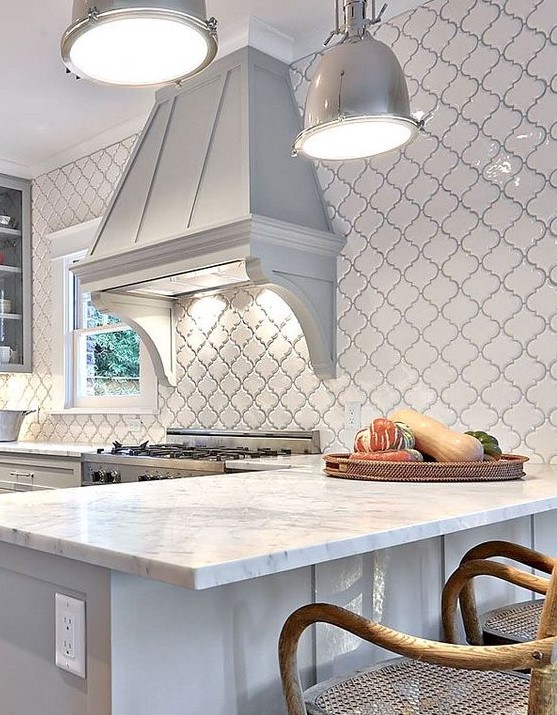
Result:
[[15, 274]]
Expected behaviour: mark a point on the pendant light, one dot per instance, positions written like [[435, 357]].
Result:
[[139, 43], [357, 105]]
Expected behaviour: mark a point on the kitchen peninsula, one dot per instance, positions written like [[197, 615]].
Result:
[[187, 582]]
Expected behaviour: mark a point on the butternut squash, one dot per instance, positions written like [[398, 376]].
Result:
[[437, 440]]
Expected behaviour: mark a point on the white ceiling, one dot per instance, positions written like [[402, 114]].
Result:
[[48, 118]]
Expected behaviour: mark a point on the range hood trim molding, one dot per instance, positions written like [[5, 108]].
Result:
[[244, 238]]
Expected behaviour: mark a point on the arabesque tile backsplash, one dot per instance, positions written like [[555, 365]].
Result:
[[447, 286]]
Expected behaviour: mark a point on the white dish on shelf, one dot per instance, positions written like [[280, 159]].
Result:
[[5, 305], [6, 354]]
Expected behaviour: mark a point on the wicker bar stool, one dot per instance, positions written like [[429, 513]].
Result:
[[432, 678], [514, 623]]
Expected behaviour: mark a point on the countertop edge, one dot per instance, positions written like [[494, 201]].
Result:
[[220, 574], [47, 449]]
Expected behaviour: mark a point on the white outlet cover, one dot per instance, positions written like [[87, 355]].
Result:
[[70, 634], [353, 415]]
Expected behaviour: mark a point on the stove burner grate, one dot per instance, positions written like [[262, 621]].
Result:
[[179, 451]]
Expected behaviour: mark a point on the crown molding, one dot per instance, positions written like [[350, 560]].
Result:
[[258, 34], [95, 143], [13, 168]]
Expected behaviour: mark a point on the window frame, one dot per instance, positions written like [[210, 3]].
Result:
[[67, 247]]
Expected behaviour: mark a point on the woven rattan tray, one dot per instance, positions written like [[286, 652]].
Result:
[[508, 467]]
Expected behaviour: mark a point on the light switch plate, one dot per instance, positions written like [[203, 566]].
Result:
[[70, 634], [134, 424]]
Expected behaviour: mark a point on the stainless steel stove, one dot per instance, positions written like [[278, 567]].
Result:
[[192, 453]]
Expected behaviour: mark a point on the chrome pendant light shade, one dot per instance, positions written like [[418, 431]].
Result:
[[139, 43], [357, 105]]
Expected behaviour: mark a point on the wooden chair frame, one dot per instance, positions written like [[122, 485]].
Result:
[[459, 589], [539, 656]]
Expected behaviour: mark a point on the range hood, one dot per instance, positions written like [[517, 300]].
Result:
[[212, 197]]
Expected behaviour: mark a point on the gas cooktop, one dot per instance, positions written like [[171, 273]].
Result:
[[191, 453], [179, 451]]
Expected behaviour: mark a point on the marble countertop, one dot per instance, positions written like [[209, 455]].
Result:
[[51, 449], [300, 461], [208, 531]]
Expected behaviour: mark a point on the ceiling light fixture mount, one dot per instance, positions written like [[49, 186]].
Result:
[[357, 105], [139, 43]]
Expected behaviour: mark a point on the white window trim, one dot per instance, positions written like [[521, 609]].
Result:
[[67, 246]]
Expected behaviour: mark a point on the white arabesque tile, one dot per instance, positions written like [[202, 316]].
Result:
[[444, 297]]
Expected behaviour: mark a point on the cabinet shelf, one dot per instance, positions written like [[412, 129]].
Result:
[[9, 270], [9, 233], [10, 316]]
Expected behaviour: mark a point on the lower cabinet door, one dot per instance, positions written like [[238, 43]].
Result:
[[33, 474]]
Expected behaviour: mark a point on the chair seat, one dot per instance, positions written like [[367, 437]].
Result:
[[409, 687], [517, 623]]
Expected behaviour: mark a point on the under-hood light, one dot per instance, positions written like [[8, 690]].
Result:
[[134, 43], [194, 282], [357, 105]]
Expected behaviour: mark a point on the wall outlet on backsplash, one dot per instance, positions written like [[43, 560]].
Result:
[[353, 415], [134, 424]]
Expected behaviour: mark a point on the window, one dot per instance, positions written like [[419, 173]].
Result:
[[99, 363]]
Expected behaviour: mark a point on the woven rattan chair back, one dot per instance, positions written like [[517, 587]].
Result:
[[509, 624]]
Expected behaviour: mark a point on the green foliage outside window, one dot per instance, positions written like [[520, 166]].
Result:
[[117, 354]]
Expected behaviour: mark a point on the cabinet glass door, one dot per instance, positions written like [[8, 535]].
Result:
[[15, 326]]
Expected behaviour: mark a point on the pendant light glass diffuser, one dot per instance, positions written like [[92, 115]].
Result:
[[357, 105], [134, 43]]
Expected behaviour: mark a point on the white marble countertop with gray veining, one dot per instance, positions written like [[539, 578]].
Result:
[[300, 461], [51, 449], [213, 530]]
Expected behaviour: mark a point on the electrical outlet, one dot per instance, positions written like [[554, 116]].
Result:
[[353, 415], [70, 634], [134, 424]]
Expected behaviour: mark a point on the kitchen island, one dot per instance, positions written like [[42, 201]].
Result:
[[188, 582]]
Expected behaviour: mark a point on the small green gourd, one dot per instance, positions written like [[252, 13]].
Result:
[[492, 450]]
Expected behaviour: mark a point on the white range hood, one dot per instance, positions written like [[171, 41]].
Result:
[[212, 198]]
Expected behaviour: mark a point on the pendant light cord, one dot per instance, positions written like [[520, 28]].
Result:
[[376, 17]]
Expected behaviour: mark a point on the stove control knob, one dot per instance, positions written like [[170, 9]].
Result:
[[98, 476], [112, 477]]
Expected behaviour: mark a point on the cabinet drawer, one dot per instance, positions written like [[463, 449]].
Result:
[[27, 474]]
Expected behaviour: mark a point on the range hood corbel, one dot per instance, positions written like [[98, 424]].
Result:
[[153, 319], [211, 182]]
